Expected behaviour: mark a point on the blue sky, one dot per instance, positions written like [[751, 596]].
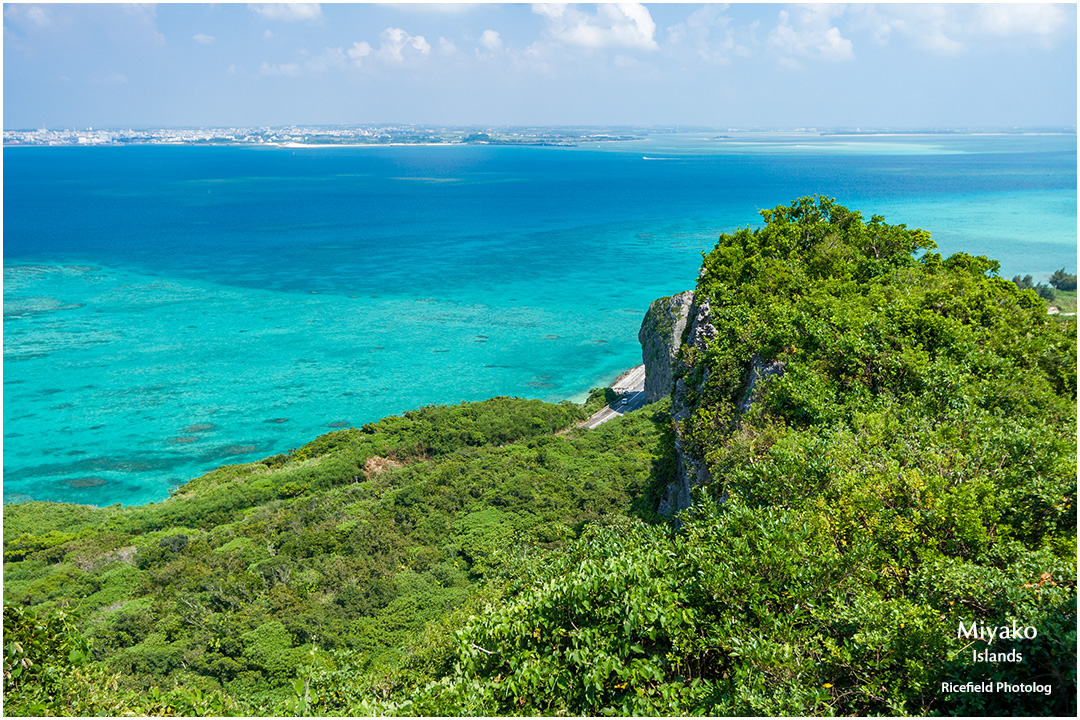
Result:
[[739, 65]]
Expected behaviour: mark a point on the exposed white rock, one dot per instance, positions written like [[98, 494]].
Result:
[[660, 337]]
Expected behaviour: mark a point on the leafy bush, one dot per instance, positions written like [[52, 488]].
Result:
[[291, 489]]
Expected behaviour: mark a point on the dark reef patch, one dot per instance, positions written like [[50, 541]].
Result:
[[226, 451], [85, 482]]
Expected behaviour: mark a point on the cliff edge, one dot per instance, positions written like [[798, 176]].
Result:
[[670, 323], [660, 337]]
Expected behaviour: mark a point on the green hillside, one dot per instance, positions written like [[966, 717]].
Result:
[[910, 475]]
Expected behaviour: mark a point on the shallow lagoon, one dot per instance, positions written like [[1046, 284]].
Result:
[[170, 309]]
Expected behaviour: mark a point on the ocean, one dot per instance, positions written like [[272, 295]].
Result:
[[171, 309]]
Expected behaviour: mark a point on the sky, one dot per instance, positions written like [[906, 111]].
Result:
[[748, 66]]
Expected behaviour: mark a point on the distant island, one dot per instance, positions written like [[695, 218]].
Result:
[[317, 136], [411, 134]]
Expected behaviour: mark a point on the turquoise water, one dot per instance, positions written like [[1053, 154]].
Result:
[[170, 309]]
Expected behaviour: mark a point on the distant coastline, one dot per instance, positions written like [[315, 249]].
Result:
[[298, 145], [343, 136], [432, 136]]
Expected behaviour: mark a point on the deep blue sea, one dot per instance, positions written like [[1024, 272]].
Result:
[[171, 309]]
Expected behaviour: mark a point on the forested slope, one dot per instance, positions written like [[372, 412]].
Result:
[[911, 469], [339, 552]]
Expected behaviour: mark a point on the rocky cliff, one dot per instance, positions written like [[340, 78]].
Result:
[[660, 337], [691, 470], [663, 332]]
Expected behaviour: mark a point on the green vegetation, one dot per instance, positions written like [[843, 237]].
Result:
[[47, 672], [1065, 302], [600, 398], [1044, 291], [331, 558], [911, 470], [1063, 280]]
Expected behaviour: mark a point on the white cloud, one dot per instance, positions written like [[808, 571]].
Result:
[[490, 40], [396, 45], [267, 35], [812, 35], [203, 39], [952, 29], [288, 12], [708, 34], [926, 26], [145, 19], [288, 69], [623, 25], [1024, 19], [836, 46], [358, 52], [535, 58], [116, 25], [28, 14], [447, 48], [937, 41], [38, 16]]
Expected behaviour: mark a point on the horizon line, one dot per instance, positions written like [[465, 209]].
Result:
[[677, 127]]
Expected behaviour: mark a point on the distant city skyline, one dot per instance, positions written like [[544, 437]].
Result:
[[740, 65]]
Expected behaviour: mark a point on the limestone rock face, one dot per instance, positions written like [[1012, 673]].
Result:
[[692, 470], [660, 337], [759, 372]]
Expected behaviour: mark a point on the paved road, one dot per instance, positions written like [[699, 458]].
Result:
[[631, 386], [633, 380]]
